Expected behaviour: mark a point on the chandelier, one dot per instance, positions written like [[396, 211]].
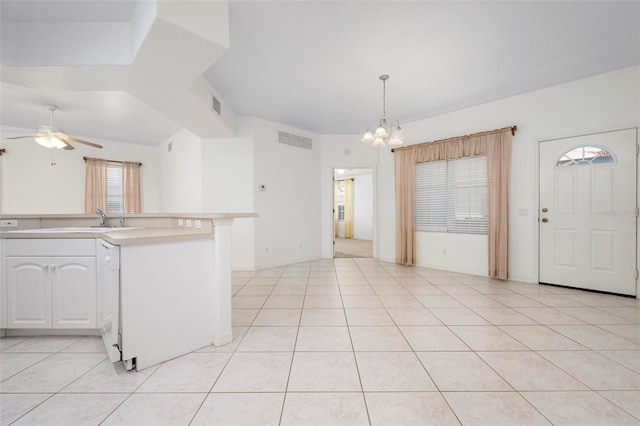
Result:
[[385, 133]]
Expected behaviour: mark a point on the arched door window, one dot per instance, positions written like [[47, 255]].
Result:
[[585, 155]]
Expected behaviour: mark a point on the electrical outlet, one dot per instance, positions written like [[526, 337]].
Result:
[[11, 223], [188, 223], [180, 222], [197, 224]]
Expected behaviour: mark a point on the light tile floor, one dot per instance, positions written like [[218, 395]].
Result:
[[357, 341]]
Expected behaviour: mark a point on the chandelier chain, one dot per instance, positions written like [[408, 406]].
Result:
[[384, 98]]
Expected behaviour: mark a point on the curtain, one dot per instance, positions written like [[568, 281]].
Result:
[[336, 225], [131, 187], [496, 145], [348, 208], [405, 161], [498, 169], [1, 152], [95, 188]]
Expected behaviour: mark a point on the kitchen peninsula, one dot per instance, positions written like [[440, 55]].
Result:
[[156, 286]]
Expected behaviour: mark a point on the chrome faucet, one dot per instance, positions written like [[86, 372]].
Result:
[[103, 217]]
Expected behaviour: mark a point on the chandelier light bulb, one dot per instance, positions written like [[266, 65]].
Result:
[[368, 136], [381, 132]]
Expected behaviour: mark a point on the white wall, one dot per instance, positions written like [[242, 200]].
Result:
[[227, 187], [30, 185], [180, 173], [604, 102], [289, 209], [444, 251]]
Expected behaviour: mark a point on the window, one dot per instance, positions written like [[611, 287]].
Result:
[[114, 188], [584, 155], [451, 196]]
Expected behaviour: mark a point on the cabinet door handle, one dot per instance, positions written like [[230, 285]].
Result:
[[52, 266]]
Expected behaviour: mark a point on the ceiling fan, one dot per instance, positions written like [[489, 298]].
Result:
[[52, 137]]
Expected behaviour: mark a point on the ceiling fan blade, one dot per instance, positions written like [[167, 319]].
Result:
[[67, 146], [22, 137], [95, 145]]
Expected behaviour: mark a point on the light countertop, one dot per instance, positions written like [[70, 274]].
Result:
[[149, 228]]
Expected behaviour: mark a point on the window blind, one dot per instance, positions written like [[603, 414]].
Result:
[[114, 188], [451, 196]]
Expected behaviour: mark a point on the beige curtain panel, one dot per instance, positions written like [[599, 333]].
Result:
[[336, 224], [348, 208], [131, 187], [2, 151], [496, 145], [95, 188]]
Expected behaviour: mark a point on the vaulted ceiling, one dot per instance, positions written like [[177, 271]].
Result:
[[138, 71]]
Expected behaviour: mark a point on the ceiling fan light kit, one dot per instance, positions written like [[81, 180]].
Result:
[[52, 137], [48, 139], [384, 133]]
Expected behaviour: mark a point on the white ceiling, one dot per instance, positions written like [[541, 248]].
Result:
[[315, 64]]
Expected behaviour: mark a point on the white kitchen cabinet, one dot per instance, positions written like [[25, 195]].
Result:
[[73, 292], [51, 292], [28, 292], [51, 284]]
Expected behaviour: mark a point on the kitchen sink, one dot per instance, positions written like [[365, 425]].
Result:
[[79, 229]]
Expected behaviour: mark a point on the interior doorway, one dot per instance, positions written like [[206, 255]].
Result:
[[353, 212]]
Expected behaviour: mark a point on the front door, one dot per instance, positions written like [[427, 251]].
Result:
[[588, 212]]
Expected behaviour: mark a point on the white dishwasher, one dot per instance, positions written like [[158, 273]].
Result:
[[108, 257]]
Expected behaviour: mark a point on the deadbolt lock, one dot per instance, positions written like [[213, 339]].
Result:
[[545, 220]]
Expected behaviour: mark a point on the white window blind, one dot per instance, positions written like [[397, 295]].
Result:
[[114, 188], [451, 196]]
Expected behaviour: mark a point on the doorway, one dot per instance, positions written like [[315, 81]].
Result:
[[353, 223], [587, 211]]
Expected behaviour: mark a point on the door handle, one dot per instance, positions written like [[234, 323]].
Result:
[[544, 210], [545, 220]]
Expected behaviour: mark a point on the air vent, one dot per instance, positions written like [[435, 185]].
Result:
[[294, 140], [215, 104]]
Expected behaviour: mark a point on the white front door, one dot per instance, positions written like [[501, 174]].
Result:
[[588, 212]]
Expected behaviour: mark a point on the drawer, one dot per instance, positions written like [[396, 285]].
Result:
[[51, 247]]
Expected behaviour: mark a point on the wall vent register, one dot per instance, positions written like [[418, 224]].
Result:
[[295, 140]]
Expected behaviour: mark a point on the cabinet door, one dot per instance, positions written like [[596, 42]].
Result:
[[73, 292], [28, 292]]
